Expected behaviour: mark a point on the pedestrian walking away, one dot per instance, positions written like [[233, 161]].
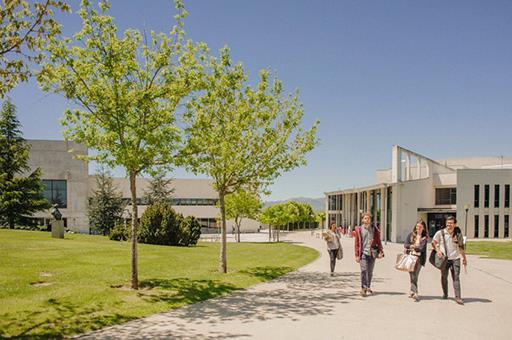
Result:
[[368, 247], [333, 246], [449, 242], [416, 244]]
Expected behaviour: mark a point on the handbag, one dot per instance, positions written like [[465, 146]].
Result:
[[339, 256], [406, 262], [439, 262]]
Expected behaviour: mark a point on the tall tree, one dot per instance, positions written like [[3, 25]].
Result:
[[243, 137], [127, 88], [20, 196], [242, 204], [160, 189], [106, 204], [24, 28], [277, 216]]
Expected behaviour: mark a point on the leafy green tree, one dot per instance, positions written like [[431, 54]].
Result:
[[25, 27], [242, 204], [189, 231], [106, 204], [20, 196], [127, 88], [320, 218], [160, 189], [243, 137], [277, 216], [160, 225]]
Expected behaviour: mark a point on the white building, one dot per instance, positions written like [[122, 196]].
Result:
[[68, 184], [475, 189]]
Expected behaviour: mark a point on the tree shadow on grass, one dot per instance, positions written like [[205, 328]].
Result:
[[181, 291], [267, 273], [294, 296], [58, 319]]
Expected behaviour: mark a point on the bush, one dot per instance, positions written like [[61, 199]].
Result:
[[160, 225], [190, 230], [120, 232]]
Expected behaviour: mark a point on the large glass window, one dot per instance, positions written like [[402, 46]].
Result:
[[496, 195], [507, 195], [506, 227], [446, 196], [477, 226], [496, 225], [486, 226], [477, 196], [56, 192], [332, 202], [486, 196]]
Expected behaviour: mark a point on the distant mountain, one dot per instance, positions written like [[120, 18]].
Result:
[[318, 204]]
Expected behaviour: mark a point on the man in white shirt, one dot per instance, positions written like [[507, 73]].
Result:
[[450, 238]]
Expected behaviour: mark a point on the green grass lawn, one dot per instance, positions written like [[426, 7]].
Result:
[[54, 287], [495, 250]]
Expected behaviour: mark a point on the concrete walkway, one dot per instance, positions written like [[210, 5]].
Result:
[[309, 304]]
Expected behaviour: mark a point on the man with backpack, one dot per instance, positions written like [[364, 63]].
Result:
[[449, 243]]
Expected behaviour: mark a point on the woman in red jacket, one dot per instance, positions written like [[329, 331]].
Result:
[[368, 247]]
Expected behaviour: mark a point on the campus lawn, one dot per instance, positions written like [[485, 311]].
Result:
[[495, 250], [54, 287]]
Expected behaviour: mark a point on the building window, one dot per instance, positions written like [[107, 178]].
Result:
[[477, 196], [477, 226], [496, 195], [332, 202], [496, 226], [486, 196], [56, 192], [507, 195], [446, 196], [505, 227], [486, 226]]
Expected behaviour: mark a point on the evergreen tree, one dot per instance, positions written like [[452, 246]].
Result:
[[106, 204], [20, 196], [159, 190]]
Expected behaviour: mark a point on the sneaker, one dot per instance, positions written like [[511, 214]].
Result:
[[363, 292], [416, 298], [411, 295], [369, 291], [332, 274], [459, 301]]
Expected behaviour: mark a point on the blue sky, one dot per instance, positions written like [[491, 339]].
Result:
[[433, 76]]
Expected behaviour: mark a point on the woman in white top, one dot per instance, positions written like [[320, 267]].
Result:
[[333, 245]]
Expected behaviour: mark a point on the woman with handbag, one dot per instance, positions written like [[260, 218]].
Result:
[[416, 244], [333, 246]]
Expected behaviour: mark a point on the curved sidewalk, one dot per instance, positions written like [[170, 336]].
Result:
[[309, 304]]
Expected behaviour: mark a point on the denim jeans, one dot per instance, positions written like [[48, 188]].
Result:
[[332, 254], [454, 267], [367, 263], [414, 277]]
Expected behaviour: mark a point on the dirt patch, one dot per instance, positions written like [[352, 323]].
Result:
[[40, 284], [45, 274]]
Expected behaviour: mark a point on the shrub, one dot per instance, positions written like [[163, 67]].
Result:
[[120, 232], [190, 230], [160, 225]]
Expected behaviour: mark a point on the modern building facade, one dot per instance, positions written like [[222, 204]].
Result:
[[476, 190], [68, 184]]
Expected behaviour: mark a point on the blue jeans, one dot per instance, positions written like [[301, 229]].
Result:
[[367, 263]]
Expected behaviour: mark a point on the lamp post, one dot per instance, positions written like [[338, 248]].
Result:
[[466, 208]]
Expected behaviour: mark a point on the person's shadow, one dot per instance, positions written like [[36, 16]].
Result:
[[466, 300]]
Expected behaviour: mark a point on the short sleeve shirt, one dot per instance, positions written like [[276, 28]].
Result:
[[452, 244]]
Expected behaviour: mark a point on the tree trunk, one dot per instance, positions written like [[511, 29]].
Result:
[[223, 266], [278, 230], [11, 222], [238, 228], [269, 233], [135, 225]]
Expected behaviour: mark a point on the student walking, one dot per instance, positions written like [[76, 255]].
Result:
[[416, 244], [449, 242], [368, 247], [333, 246]]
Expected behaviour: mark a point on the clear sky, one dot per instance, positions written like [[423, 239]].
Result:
[[432, 76]]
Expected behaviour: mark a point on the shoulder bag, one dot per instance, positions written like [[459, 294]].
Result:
[[439, 262]]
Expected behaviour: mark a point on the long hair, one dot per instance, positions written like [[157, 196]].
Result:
[[424, 233]]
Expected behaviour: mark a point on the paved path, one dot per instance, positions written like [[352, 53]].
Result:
[[308, 304]]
